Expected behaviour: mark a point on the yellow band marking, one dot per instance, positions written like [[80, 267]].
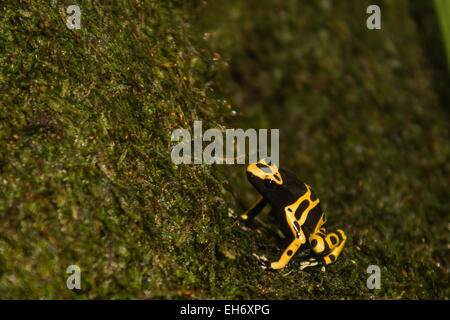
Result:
[[290, 211]]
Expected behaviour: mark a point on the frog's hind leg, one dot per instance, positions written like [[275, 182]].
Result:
[[246, 219], [326, 248], [285, 257]]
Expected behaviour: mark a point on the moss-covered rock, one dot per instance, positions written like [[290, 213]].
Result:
[[86, 175]]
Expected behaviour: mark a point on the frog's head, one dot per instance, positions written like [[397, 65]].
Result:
[[264, 176]]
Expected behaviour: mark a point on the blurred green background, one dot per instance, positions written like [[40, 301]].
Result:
[[85, 123]]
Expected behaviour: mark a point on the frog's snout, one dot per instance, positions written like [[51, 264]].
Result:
[[252, 171], [253, 179]]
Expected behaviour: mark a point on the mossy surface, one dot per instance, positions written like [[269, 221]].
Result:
[[86, 176]]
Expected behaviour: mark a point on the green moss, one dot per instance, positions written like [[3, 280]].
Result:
[[86, 118]]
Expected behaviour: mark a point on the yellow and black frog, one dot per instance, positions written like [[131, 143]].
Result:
[[298, 213]]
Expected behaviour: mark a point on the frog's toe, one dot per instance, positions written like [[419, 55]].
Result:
[[263, 262], [246, 224], [266, 265], [263, 258]]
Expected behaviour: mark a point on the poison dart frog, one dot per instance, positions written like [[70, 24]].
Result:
[[298, 212]]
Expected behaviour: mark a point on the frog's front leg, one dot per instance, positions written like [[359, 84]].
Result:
[[285, 257], [246, 219]]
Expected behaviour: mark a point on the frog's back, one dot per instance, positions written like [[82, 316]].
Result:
[[293, 184], [310, 202]]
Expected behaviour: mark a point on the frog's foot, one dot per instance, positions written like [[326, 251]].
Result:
[[263, 262], [246, 223], [311, 263], [247, 219]]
